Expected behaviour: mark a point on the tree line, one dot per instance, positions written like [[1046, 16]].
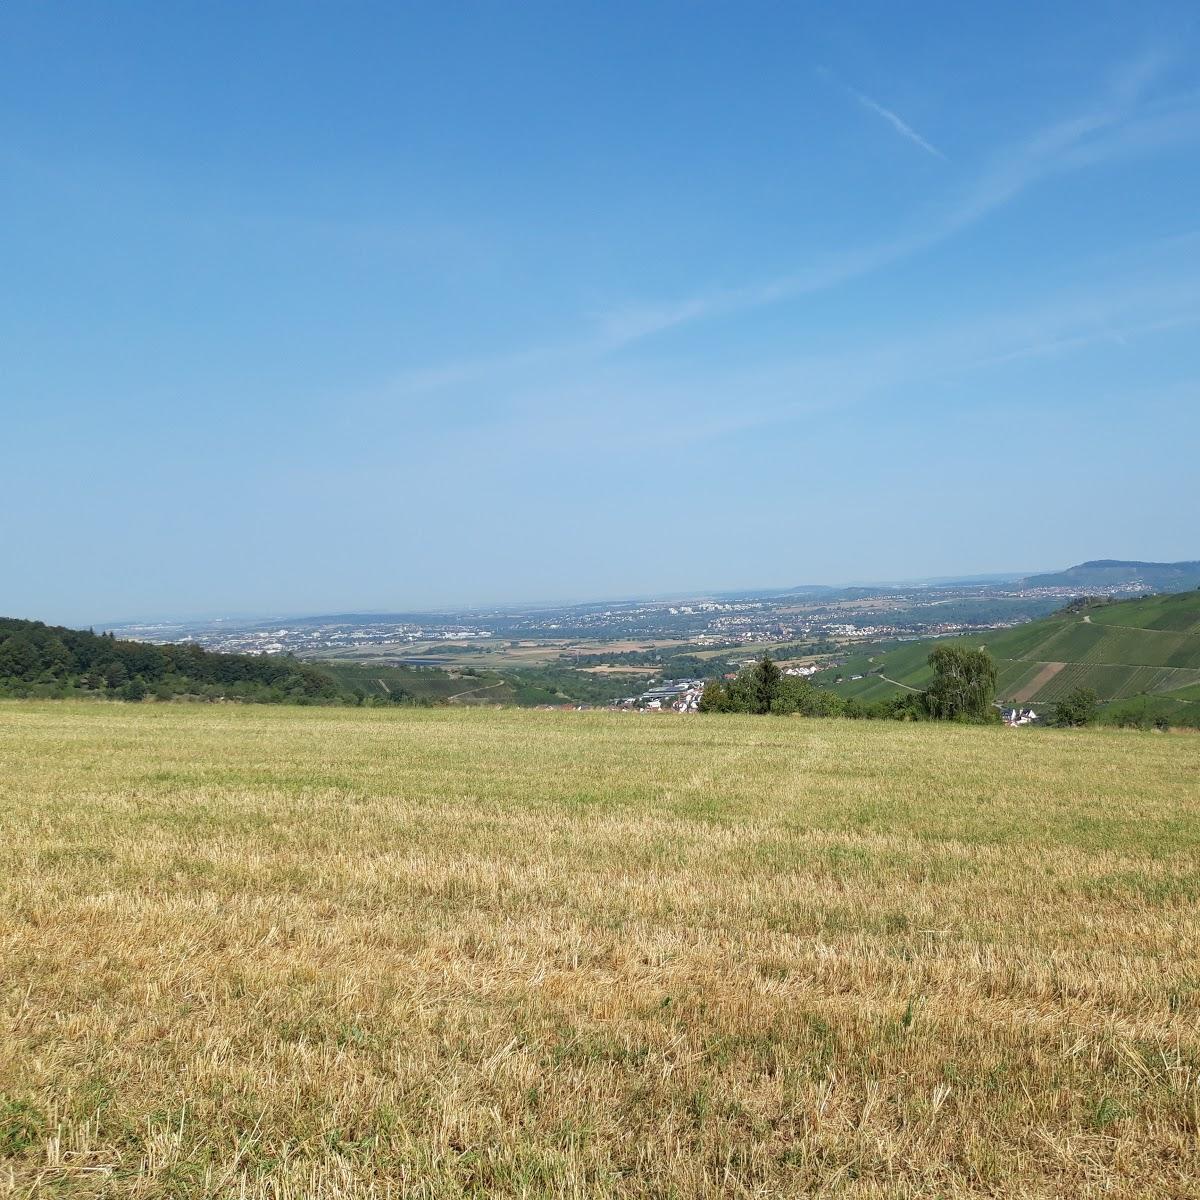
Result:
[[963, 689]]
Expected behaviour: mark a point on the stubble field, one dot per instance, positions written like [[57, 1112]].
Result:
[[267, 952]]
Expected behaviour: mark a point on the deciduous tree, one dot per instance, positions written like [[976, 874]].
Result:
[[964, 684]]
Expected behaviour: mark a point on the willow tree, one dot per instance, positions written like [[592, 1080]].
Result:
[[964, 684]]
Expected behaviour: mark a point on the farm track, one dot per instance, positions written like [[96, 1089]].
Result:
[[897, 683], [472, 691], [1176, 633]]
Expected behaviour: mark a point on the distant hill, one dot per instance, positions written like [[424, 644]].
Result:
[[1130, 576], [1142, 658]]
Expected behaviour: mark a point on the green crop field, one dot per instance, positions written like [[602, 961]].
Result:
[[1143, 648], [267, 952]]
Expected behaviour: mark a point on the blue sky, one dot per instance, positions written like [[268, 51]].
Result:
[[314, 307]]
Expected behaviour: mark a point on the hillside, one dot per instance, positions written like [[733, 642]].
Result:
[[1142, 658], [1117, 573], [51, 661]]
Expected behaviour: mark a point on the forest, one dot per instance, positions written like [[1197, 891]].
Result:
[[52, 662]]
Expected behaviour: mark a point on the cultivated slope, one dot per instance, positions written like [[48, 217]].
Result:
[[1148, 647]]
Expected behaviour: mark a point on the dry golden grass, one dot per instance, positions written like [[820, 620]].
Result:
[[268, 953]]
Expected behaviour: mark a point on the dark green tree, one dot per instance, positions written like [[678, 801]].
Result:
[[18, 656], [714, 698], [764, 681], [1079, 707], [115, 674], [56, 658]]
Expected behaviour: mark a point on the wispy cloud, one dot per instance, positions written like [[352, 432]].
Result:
[[1118, 125], [636, 406], [935, 366], [898, 123], [1114, 127]]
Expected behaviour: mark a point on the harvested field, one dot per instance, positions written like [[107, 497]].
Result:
[[267, 952]]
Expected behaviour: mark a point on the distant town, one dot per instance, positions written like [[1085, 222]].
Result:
[[852, 614]]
